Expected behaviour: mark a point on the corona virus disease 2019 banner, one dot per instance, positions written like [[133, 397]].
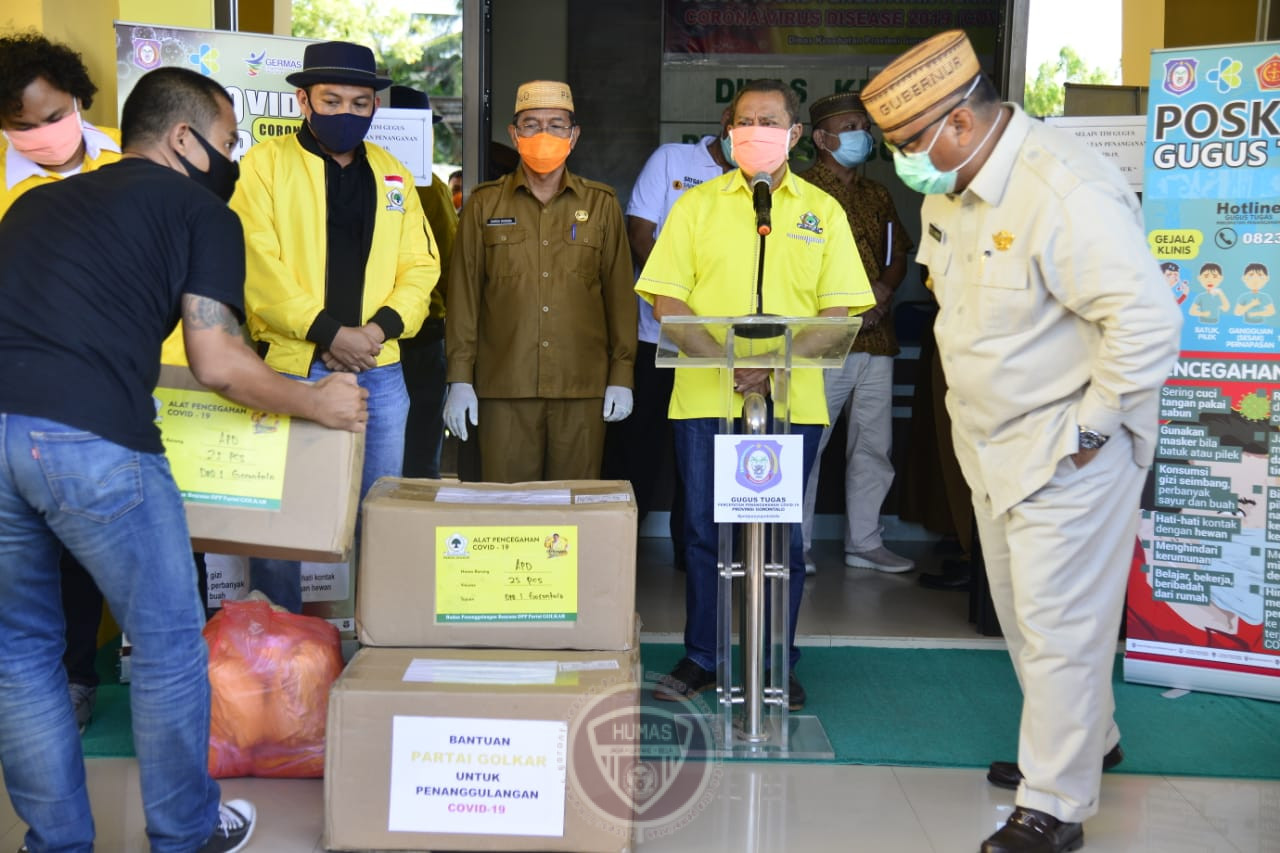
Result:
[[1204, 588], [252, 67]]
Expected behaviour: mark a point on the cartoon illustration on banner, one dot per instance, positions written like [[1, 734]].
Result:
[[1204, 591]]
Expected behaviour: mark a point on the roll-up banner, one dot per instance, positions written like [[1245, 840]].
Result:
[[252, 67], [1204, 587]]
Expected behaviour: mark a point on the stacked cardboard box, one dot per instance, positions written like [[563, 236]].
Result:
[[255, 483], [500, 674]]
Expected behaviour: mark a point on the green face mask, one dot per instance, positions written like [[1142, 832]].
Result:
[[916, 168]]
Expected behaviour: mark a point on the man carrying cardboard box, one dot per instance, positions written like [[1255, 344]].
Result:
[[97, 272]]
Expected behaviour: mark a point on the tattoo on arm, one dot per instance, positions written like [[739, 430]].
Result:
[[201, 312]]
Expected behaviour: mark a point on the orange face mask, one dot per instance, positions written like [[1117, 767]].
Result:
[[543, 153], [457, 200]]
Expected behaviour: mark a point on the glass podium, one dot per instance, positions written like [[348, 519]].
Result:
[[754, 557]]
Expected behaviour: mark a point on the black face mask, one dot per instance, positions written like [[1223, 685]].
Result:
[[222, 175]]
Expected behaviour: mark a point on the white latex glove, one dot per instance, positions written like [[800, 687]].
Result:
[[459, 406], [617, 403]]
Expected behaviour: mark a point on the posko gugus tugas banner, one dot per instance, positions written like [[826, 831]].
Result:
[[1204, 588]]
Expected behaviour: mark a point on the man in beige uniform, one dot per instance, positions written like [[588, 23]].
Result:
[[541, 336], [1056, 332]]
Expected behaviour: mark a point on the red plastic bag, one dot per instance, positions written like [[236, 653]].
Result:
[[270, 674]]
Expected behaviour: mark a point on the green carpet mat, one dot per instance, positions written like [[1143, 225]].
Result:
[[936, 708], [960, 708]]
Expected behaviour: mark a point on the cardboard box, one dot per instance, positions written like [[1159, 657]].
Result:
[[258, 484], [532, 566], [478, 749]]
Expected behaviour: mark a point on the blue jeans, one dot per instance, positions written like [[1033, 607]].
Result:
[[119, 512], [281, 580], [695, 455]]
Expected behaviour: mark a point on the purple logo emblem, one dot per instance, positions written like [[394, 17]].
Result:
[[1179, 76], [146, 53], [759, 464]]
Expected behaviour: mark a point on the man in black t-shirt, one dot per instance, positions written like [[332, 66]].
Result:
[[97, 271]]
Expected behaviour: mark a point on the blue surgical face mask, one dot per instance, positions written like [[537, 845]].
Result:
[[340, 132], [855, 147], [726, 147]]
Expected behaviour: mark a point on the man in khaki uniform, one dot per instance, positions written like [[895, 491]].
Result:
[[541, 335], [1056, 332]]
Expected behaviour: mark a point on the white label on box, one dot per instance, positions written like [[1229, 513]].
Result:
[[480, 671], [459, 495], [476, 776], [612, 498], [758, 478], [584, 665]]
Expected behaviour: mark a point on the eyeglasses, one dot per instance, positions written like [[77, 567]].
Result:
[[532, 127], [901, 147]]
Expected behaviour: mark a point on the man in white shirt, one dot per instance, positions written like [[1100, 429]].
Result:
[[636, 447]]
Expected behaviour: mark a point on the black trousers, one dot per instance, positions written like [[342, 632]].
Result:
[[641, 447], [82, 608], [422, 359]]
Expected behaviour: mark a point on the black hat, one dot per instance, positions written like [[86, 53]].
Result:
[[838, 104], [406, 98], [338, 62], [1169, 266]]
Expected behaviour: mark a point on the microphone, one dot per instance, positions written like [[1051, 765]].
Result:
[[763, 200]]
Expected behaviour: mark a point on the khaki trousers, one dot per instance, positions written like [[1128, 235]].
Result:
[[528, 440], [1058, 564]]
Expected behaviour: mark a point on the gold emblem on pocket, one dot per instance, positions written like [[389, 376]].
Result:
[[1003, 240], [580, 215]]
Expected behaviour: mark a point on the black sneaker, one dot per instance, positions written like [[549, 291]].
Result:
[[235, 826], [795, 693], [684, 682]]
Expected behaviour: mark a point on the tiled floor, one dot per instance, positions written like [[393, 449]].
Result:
[[781, 808]]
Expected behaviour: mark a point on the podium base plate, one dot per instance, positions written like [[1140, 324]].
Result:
[[806, 740]]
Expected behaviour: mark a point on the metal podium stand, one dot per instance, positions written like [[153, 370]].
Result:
[[754, 720]]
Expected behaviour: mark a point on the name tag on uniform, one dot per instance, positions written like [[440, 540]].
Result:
[[935, 232], [501, 220]]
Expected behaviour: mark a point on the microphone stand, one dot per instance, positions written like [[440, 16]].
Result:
[[761, 186]]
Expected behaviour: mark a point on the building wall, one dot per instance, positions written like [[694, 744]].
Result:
[[1154, 24], [86, 25]]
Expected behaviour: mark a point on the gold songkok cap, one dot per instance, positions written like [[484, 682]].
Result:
[[920, 79], [544, 95]]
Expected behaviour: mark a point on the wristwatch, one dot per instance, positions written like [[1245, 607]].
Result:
[[1091, 440]]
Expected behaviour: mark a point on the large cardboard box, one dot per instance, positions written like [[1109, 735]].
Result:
[[255, 483], [479, 749], [531, 566]]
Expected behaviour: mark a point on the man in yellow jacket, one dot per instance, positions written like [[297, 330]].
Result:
[[340, 259]]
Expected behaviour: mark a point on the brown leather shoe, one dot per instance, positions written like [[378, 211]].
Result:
[[1006, 774], [1031, 831]]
